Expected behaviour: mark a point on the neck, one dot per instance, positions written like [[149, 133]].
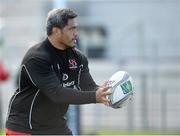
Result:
[[55, 43]]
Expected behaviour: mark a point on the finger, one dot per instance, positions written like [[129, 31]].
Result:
[[108, 92], [105, 83], [107, 104], [106, 88], [105, 100]]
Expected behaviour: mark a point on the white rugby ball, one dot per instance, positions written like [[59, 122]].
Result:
[[121, 89]]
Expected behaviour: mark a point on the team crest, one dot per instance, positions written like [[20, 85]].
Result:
[[72, 64]]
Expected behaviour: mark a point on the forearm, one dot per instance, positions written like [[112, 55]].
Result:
[[87, 83], [60, 94]]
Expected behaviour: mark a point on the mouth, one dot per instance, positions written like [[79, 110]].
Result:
[[74, 41]]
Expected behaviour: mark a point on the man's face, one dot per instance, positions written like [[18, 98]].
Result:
[[69, 34]]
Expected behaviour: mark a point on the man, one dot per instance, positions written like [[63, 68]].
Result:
[[53, 75]]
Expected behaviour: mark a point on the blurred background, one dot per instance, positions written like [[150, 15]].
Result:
[[141, 37]]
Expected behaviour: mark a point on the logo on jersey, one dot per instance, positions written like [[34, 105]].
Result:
[[69, 84], [72, 64], [65, 77]]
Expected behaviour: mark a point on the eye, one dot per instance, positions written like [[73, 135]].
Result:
[[74, 28]]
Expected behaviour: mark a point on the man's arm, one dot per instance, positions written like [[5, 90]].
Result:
[[44, 77], [86, 81]]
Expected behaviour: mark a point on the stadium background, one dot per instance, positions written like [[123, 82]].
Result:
[[139, 36]]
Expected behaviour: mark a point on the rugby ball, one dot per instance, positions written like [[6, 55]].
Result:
[[121, 89]]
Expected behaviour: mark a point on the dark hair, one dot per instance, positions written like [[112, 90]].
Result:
[[58, 18]]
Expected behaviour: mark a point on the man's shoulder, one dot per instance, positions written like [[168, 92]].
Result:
[[79, 53], [38, 51]]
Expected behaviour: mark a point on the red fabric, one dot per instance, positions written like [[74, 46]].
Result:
[[3, 73], [15, 133]]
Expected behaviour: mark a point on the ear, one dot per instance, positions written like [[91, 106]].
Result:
[[56, 31]]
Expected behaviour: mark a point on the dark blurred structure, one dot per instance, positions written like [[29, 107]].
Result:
[[93, 39]]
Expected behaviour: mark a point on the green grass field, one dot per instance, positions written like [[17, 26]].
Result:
[[135, 133], [116, 132], [1, 132]]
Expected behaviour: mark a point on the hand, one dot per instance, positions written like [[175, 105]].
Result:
[[101, 94]]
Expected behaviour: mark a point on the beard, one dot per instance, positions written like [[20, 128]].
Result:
[[71, 44]]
